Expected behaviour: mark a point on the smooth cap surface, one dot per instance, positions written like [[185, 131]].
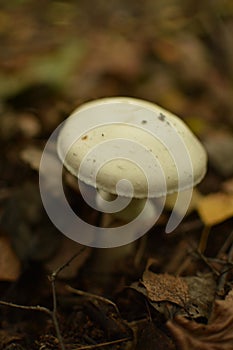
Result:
[[111, 139]]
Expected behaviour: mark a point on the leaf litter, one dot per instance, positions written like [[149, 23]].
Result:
[[177, 54]]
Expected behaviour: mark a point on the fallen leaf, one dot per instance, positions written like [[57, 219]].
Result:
[[165, 287], [216, 335], [190, 296], [201, 295], [215, 208], [9, 262]]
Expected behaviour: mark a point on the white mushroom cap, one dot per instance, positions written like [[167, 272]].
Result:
[[111, 139]]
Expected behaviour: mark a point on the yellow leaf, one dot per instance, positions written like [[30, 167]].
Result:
[[215, 208]]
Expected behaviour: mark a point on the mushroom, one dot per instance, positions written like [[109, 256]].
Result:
[[134, 153]]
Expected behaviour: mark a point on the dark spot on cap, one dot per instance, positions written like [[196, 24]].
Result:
[[84, 137], [143, 121], [102, 134], [162, 117]]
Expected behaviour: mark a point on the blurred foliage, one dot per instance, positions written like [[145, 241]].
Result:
[[178, 53]]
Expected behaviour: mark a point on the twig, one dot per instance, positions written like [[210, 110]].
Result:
[[218, 261], [92, 296], [224, 273], [60, 268], [54, 315], [52, 279], [96, 346], [204, 238], [226, 245], [24, 307], [206, 261]]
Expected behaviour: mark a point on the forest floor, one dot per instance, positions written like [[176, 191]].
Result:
[[172, 291]]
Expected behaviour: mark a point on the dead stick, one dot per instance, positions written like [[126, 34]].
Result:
[[95, 346], [52, 279], [25, 307], [92, 296]]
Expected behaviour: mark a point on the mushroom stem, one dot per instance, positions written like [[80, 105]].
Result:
[[131, 211], [108, 258]]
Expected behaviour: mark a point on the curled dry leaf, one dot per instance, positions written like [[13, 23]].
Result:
[[216, 335]]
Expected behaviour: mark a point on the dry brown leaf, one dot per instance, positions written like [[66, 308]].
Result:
[[9, 263], [202, 290], [216, 335], [165, 287], [190, 296], [215, 208]]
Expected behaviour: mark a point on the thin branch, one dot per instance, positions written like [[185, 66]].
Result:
[[219, 261], [225, 272], [54, 315], [92, 296], [29, 308], [60, 268], [206, 261], [96, 346], [52, 279], [227, 244], [204, 238]]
